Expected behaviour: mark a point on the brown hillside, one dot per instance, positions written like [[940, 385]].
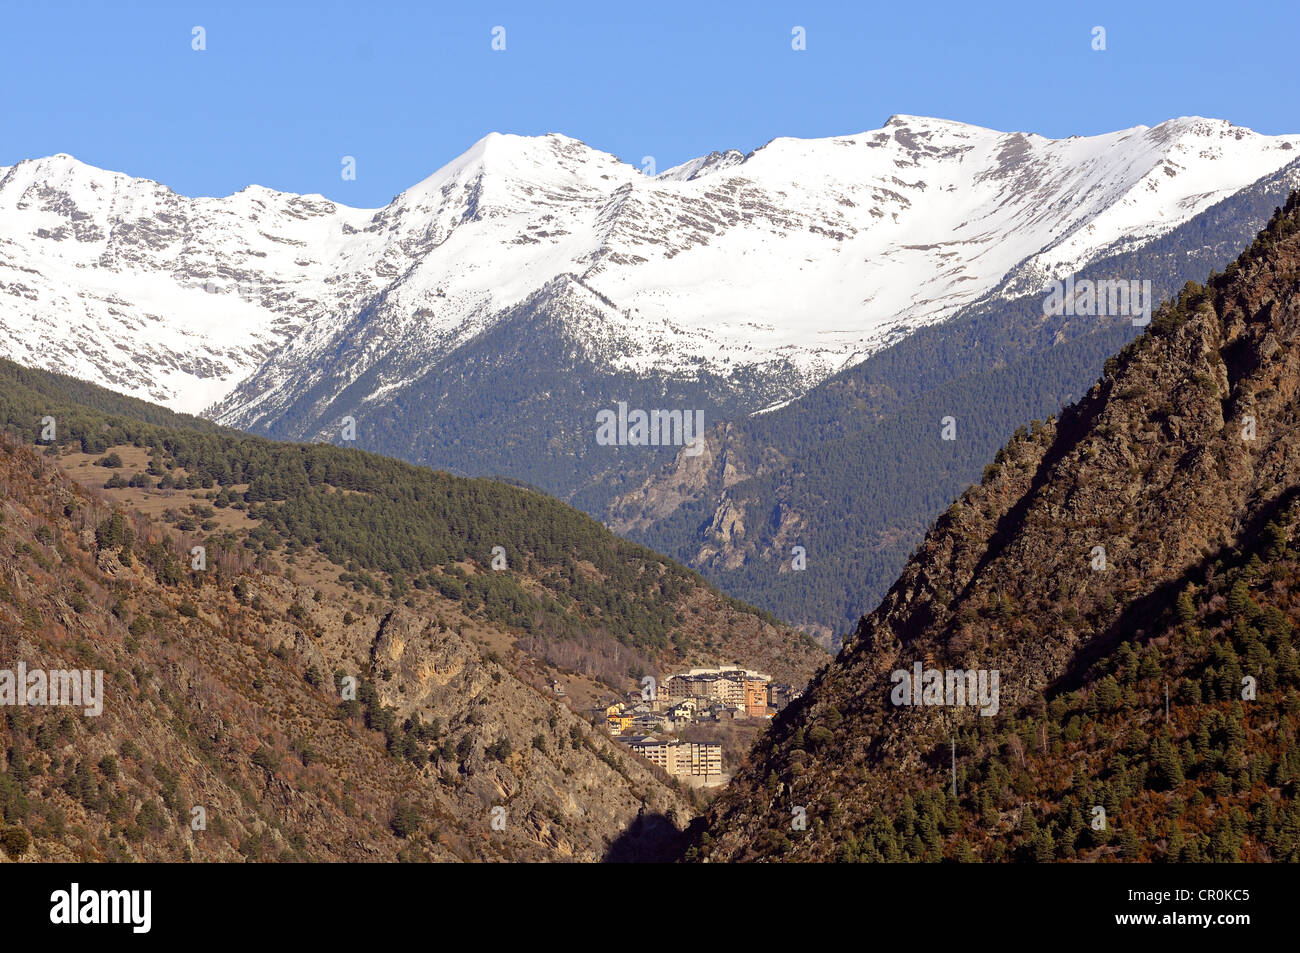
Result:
[[1158, 466], [222, 692]]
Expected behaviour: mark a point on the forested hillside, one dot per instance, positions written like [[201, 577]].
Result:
[[1214, 780], [1146, 543], [853, 472], [394, 529], [246, 716], [319, 652]]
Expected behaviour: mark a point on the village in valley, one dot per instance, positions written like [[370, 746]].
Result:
[[668, 723]]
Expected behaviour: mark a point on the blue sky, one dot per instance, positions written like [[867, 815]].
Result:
[[284, 90]]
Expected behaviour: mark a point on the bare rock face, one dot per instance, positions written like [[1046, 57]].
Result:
[[728, 523], [428, 667], [688, 477], [564, 789], [233, 703], [1077, 540]]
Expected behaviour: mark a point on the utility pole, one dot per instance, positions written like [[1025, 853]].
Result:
[[954, 767], [1166, 703]]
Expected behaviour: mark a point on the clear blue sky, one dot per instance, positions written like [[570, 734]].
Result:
[[284, 90]]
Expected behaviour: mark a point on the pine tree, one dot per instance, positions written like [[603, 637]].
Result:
[[1176, 843], [1274, 540], [1129, 845], [1166, 766], [1044, 847], [1109, 696], [1239, 601]]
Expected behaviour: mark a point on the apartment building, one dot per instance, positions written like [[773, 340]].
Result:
[[699, 760], [755, 698], [729, 685], [679, 758]]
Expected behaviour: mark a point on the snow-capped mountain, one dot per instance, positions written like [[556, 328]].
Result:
[[758, 275]]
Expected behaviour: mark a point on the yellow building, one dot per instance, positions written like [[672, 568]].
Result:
[[619, 722]]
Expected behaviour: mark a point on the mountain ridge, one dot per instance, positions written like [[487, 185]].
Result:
[[1177, 465], [842, 464], [348, 260]]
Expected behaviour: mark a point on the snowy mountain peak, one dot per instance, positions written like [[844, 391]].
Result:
[[59, 168], [934, 124], [702, 166], [787, 263]]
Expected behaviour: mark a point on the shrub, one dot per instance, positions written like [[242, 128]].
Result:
[[15, 841], [820, 737], [265, 760], [406, 819]]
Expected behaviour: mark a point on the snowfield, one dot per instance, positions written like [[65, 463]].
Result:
[[812, 252]]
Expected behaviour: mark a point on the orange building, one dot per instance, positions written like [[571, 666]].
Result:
[[755, 698]]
